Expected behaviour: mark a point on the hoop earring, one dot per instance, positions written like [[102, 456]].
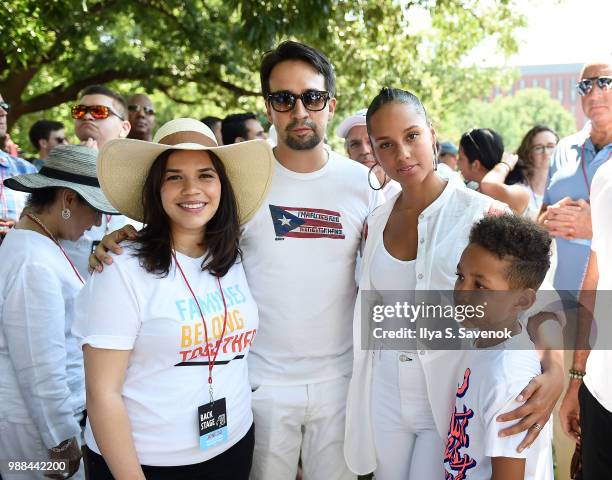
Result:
[[370, 180], [66, 213], [435, 159]]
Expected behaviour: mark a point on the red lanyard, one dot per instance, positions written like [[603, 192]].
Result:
[[50, 235], [584, 174], [211, 363], [586, 180]]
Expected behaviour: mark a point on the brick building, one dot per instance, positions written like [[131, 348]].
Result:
[[560, 81]]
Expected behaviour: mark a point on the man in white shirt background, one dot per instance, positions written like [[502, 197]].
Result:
[[586, 411], [358, 147]]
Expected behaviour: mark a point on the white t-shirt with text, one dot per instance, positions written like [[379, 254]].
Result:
[[299, 256], [127, 308], [490, 380]]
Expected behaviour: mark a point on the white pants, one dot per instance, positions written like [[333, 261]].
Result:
[[408, 445], [21, 441], [307, 418]]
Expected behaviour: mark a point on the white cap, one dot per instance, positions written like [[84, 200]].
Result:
[[358, 118]]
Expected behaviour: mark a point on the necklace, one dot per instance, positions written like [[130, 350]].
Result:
[[38, 222]]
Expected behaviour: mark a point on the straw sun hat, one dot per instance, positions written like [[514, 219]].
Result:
[[67, 166], [123, 165]]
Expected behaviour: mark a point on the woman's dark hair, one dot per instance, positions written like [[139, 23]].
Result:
[[524, 149], [487, 146], [290, 50], [154, 243], [42, 198], [394, 95]]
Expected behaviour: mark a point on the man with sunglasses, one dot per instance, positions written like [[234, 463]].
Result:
[[566, 211], [45, 135], [299, 257], [11, 201], [586, 410], [142, 117], [100, 116]]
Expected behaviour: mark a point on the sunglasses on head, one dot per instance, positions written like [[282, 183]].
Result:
[[5, 106], [468, 134], [284, 101], [99, 112], [146, 109], [584, 86]]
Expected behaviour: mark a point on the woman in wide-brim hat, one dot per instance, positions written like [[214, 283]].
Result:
[[167, 327], [42, 387]]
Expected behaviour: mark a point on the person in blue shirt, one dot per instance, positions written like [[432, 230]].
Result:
[[11, 202], [566, 212]]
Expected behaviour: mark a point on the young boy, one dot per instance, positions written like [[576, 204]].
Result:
[[502, 267]]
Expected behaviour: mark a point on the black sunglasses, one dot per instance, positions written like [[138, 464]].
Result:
[[284, 101], [146, 109], [584, 86], [5, 106]]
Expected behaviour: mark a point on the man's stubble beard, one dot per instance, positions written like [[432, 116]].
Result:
[[307, 144]]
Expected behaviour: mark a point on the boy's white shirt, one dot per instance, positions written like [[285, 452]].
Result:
[[489, 381]]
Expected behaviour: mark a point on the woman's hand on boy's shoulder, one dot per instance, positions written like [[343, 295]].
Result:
[[540, 397], [110, 242]]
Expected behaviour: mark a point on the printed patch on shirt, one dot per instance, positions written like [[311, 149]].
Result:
[[456, 463], [300, 222]]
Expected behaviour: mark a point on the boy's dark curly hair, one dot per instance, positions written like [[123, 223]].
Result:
[[524, 243]]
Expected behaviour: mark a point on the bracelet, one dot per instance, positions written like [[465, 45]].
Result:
[[576, 374], [62, 446], [510, 168]]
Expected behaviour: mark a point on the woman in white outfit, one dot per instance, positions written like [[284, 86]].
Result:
[[42, 386], [400, 401]]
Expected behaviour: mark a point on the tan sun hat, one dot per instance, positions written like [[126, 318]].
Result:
[[123, 165]]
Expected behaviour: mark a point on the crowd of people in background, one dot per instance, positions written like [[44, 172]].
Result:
[[189, 300]]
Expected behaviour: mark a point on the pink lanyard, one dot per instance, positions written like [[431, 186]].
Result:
[[50, 235], [584, 174], [211, 363], [4, 205]]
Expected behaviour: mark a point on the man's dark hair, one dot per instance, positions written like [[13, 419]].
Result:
[[522, 242], [154, 244], [234, 126], [119, 101], [41, 130], [389, 95], [291, 50], [210, 121]]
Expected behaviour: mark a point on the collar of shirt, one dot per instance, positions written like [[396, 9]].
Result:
[[5, 159]]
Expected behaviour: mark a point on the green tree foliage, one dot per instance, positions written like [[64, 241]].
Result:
[[203, 55], [511, 116]]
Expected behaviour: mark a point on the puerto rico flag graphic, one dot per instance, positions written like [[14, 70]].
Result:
[[298, 222]]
